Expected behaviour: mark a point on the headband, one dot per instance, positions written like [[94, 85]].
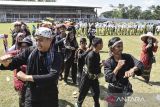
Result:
[[116, 43]]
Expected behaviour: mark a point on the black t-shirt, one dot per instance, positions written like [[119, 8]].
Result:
[[93, 62]]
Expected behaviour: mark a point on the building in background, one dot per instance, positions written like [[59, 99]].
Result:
[[35, 10]]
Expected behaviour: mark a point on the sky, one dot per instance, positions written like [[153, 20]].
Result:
[[105, 4]]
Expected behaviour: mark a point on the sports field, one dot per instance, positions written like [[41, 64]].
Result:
[[132, 45]]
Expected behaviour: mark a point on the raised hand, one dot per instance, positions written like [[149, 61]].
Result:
[[149, 45], [120, 64]]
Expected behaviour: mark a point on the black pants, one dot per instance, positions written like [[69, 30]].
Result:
[[79, 71], [86, 84], [117, 93], [49, 100], [62, 65], [70, 64], [61, 71], [41, 103], [22, 96], [90, 40]]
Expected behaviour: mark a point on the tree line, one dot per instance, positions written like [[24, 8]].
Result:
[[133, 12]]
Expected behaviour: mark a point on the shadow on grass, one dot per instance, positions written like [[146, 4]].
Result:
[[64, 103], [155, 83], [150, 82], [103, 92]]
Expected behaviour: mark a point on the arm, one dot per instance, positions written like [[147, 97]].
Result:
[[15, 62], [24, 77], [70, 47], [108, 72], [138, 66], [59, 42], [46, 78], [136, 69], [145, 47], [11, 48], [82, 55], [155, 46], [67, 45]]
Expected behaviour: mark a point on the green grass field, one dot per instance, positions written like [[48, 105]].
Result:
[[132, 45]]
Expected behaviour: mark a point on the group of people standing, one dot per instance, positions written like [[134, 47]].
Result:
[[110, 28], [39, 63]]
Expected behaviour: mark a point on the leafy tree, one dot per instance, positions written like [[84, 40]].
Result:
[[133, 12], [147, 14]]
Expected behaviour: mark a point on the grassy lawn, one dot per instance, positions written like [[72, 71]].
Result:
[[132, 45]]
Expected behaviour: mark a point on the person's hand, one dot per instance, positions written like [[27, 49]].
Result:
[[149, 45], [64, 39], [6, 60], [102, 63], [67, 32], [89, 49], [156, 43], [129, 73], [22, 76], [72, 48], [120, 64]]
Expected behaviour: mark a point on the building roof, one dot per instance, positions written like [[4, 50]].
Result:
[[56, 4]]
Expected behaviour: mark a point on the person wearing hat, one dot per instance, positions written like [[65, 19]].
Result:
[[43, 66], [26, 42], [91, 73], [150, 45], [117, 70], [19, 38], [18, 84]]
